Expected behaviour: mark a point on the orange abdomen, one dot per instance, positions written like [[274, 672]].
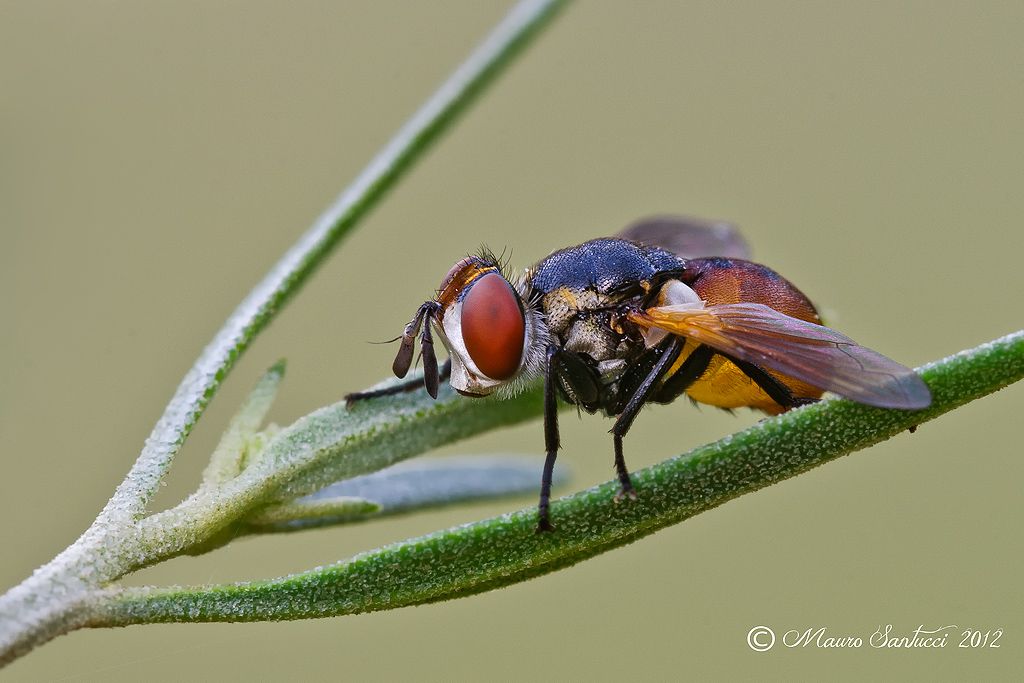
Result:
[[731, 281]]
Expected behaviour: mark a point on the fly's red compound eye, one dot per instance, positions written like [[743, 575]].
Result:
[[493, 327]]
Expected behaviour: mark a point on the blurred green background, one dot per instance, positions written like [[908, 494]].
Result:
[[157, 157]]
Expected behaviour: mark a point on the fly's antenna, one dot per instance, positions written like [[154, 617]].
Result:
[[403, 359]]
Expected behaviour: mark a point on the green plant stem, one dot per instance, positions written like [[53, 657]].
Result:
[[505, 550], [61, 595]]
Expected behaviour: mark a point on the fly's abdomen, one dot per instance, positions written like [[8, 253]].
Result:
[[730, 281]]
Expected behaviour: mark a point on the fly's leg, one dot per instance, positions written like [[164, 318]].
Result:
[[775, 389], [403, 359], [626, 489], [551, 440], [689, 372], [779, 392], [401, 388], [640, 396]]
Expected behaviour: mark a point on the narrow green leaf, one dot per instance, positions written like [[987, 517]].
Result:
[[227, 458], [504, 550], [399, 489], [418, 484], [329, 445], [337, 443], [309, 511], [438, 481]]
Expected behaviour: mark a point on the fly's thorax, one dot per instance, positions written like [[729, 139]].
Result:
[[563, 306], [609, 266], [581, 288], [591, 333], [585, 321]]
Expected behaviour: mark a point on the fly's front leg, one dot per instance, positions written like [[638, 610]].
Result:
[[418, 326], [551, 441], [401, 388], [636, 402]]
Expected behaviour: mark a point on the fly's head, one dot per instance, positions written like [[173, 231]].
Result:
[[496, 340]]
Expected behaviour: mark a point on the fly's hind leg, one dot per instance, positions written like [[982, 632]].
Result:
[[775, 389], [641, 395]]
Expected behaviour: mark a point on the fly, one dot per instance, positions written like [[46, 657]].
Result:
[[667, 307]]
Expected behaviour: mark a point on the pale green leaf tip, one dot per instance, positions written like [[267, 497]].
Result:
[[277, 370], [242, 442], [310, 511]]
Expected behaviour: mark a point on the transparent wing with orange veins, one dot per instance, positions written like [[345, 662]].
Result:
[[812, 353]]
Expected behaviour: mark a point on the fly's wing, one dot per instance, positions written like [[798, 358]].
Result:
[[689, 237], [812, 353]]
